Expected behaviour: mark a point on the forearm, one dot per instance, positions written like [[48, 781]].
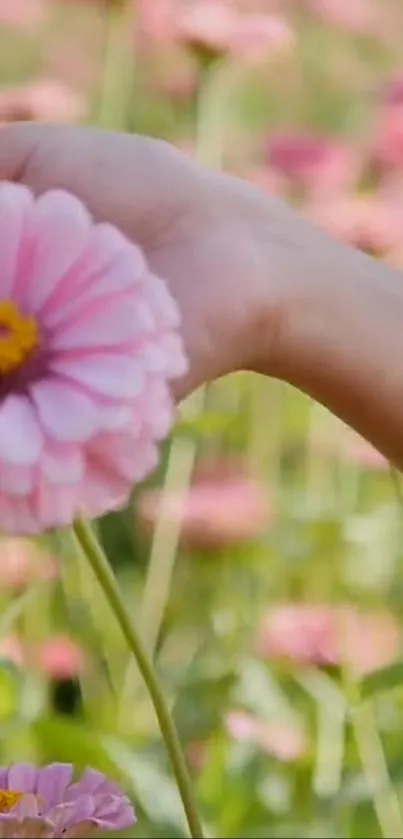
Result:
[[341, 337]]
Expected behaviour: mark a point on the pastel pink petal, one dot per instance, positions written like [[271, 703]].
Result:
[[159, 423], [165, 307], [124, 455], [15, 204], [16, 516], [177, 363], [112, 375], [59, 230], [66, 414], [20, 434], [53, 781], [98, 278], [112, 322], [63, 464], [55, 506], [103, 490], [22, 778], [27, 807], [119, 417], [16, 480]]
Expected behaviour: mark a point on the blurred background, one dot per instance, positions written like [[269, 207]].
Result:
[[263, 562]]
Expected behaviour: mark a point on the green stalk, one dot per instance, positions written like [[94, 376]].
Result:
[[106, 579]]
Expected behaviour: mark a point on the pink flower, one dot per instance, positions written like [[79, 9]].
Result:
[[87, 346], [60, 658], [358, 16], [285, 741], [388, 142], [47, 100], [45, 803], [21, 14], [22, 563], [221, 27], [223, 507], [318, 164], [325, 635]]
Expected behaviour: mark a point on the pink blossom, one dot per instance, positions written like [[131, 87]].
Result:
[[21, 563], [325, 635], [22, 14], [321, 165], [87, 348], [223, 507], [46, 100], [358, 16], [285, 741], [219, 26], [46, 803], [60, 658], [388, 141]]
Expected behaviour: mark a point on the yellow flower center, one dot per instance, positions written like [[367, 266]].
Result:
[[8, 799], [19, 335]]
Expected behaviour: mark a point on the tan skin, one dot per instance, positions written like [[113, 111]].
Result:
[[259, 288]]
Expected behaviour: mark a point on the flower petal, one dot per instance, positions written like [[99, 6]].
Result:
[[111, 374], [110, 323], [21, 439], [16, 202], [63, 464], [16, 480], [111, 265], [66, 414], [59, 229], [52, 782], [22, 777]]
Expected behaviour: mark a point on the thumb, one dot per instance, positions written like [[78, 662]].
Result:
[[138, 184]]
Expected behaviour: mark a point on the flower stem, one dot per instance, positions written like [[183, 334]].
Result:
[[106, 578]]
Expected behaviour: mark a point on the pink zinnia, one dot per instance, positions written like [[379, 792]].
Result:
[[87, 346], [45, 803]]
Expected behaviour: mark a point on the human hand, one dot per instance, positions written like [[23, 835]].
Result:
[[204, 233]]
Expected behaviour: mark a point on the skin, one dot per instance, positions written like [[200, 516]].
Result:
[[259, 288]]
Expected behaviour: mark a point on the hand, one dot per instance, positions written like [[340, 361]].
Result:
[[204, 233]]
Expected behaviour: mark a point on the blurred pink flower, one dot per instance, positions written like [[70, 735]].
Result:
[[60, 658], [11, 649], [320, 165], [285, 741], [219, 26], [90, 345], [46, 100], [388, 140], [326, 635], [22, 14], [358, 16], [156, 21], [22, 562], [369, 222], [223, 507]]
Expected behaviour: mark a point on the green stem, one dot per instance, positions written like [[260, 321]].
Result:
[[106, 578]]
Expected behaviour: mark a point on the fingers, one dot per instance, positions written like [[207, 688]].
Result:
[[139, 184]]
